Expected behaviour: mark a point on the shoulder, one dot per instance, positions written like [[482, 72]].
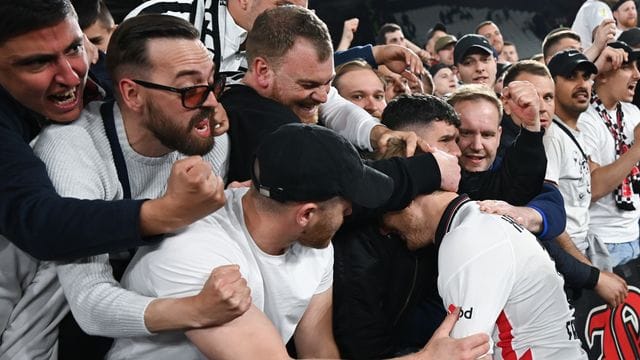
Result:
[[80, 134], [240, 99], [631, 112]]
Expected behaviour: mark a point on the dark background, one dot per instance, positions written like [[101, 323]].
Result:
[[373, 13]]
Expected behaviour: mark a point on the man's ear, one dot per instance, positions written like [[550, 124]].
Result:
[[263, 72], [244, 4], [305, 213], [130, 94], [505, 105]]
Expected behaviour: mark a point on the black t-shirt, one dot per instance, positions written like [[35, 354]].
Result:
[[251, 117]]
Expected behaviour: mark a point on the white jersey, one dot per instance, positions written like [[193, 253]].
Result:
[[281, 286], [568, 167], [505, 284], [609, 223]]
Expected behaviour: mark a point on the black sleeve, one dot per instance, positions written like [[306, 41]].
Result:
[[48, 227], [576, 274], [361, 283], [517, 178], [411, 176]]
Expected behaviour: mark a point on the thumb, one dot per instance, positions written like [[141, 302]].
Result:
[[447, 325]]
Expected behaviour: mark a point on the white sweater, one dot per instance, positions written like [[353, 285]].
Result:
[[80, 165]]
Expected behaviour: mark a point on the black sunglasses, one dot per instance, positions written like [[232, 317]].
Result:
[[192, 96]]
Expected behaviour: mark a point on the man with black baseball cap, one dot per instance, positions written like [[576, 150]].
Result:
[[474, 60], [305, 180], [612, 145], [568, 167]]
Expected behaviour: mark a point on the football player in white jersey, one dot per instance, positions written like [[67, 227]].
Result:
[[497, 273]]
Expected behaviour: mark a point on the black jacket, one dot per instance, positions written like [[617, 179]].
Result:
[[372, 301]]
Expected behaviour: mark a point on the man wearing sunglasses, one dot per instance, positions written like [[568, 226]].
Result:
[[43, 67], [224, 28], [165, 108]]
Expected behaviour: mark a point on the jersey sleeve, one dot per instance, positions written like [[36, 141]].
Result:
[[327, 277], [476, 275]]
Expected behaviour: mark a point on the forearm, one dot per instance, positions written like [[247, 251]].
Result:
[[48, 227], [412, 176], [169, 314], [576, 273], [550, 205], [99, 304], [565, 242], [593, 52], [358, 52], [605, 179]]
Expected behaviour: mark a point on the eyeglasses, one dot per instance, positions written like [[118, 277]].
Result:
[[192, 96]]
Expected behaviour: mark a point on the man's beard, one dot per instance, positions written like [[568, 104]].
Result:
[[320, 235], [629, 23], [180, 139]]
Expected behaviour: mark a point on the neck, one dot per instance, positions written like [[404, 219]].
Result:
[[236, 12], [143, 141], [250, 80], [270, 233], [608, 100], [568, 118], [435, 209]]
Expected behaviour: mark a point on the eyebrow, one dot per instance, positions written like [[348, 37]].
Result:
[[314, 83], [191, 72], [44, 57]]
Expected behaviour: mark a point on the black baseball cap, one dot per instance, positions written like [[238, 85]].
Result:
[[631, 54], [631, 37], [617, 4], [565, 63], [468, 42], [433, 70], [300, 162]]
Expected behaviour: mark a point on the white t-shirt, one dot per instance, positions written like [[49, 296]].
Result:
[[609, 223], [567, 167], [588, 17], [281, 286], [506, 285]]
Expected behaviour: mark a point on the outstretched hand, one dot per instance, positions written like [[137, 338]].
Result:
[[442, 346]]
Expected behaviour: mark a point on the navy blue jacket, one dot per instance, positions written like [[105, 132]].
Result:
[[35, 218]]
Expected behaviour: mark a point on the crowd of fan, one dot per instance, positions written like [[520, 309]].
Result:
[[220, 182]]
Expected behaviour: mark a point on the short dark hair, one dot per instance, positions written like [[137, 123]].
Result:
[[384, 29], [409, 110], [104, 16], [18, 17], [532, 67], [87, 11], [554, 38], [508, 43], [127, 51], [275, 31]]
